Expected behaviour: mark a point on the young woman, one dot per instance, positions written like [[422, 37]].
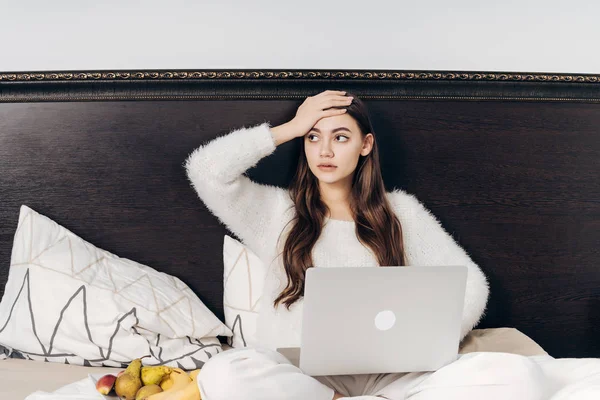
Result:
[[335, 213]]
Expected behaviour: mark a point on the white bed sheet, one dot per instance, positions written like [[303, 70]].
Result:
[[566, 379], [572, 379], [22, 377]]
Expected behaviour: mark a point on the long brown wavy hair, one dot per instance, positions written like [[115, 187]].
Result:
[[377, 226]]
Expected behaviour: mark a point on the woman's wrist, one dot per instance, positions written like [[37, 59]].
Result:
[[284, 133]]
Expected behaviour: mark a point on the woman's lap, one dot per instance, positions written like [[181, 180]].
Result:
[[257, 373], [357, 385]]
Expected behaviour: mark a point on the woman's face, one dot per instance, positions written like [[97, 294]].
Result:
[[335, 141]]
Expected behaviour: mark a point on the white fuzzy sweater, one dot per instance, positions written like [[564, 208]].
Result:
[[258, 213]]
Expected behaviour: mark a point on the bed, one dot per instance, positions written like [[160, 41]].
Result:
[[507, 161]]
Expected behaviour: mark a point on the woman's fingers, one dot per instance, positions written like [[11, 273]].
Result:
[[334, 111], [336, 101], [332, 93]]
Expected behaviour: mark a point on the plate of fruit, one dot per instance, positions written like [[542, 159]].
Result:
[[156, 382]]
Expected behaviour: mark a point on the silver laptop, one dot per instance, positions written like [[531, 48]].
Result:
[[380, 319]]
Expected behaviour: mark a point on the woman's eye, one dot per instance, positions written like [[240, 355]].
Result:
[[337, 137]]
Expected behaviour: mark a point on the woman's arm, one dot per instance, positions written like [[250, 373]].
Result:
[[251, 210], [427, 243], [216, 169]]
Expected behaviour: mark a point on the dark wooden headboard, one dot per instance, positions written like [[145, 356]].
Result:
[[509, 163]]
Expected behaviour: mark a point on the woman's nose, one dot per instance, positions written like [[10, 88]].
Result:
[[326, 150]]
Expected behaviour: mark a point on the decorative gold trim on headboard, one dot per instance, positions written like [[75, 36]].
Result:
[[297, 74], [295, 84]]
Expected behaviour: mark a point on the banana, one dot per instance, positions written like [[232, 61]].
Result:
[[175, 380], [166, 382], [176, 375], [183, 391], [194, 374]]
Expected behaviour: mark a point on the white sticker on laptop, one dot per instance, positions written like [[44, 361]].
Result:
[[385, 320]]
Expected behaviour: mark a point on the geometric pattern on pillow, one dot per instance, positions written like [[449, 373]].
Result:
[[243, 281], [68, 301]]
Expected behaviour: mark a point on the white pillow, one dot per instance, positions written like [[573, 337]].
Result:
[[243, 281], [69, 301]]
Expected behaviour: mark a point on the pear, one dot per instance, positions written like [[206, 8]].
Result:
[[129, 382], [154, 374], [147, 391]]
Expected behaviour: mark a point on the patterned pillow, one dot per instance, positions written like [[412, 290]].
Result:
[[68, 301], [243, 280]]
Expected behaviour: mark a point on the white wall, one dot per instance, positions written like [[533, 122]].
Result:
[[504, 35]]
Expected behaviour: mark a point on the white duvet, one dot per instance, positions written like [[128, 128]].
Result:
[[571, 378], [567, 378], [80, 390]]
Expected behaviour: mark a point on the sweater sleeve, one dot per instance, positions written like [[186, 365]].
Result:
[[428, 243], [216, 171]]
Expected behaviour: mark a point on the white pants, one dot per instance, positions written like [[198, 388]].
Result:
[[264, 374]]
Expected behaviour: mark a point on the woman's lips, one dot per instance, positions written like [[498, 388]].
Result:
[[326, 168]]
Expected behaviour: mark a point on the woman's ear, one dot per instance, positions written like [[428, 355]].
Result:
[[367, 144]]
